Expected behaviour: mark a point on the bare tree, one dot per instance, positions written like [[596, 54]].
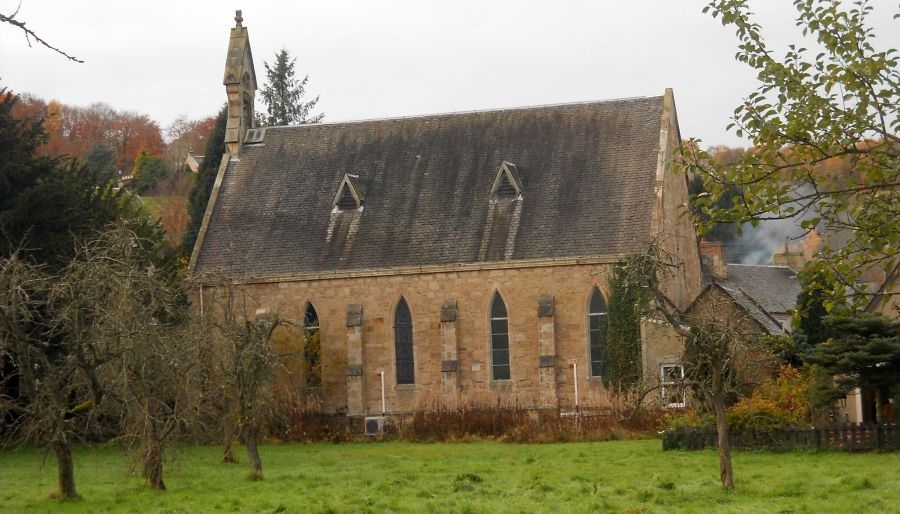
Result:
[[104, 334], [142, 325], [54, 388], [130, 314], [159, 377], [723, 355], [245, 365], [724, 351]]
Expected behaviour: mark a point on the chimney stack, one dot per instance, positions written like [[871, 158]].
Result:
[[712, 256], [792, 257]]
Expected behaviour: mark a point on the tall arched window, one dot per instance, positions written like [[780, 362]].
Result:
[[499, 340], [403, 344], [597, 333], [312, 348]]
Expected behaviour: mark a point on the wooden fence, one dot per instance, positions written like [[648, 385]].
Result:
[[850, 437]]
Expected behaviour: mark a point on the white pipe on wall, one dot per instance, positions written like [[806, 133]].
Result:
[[383, 408], [575, 377]]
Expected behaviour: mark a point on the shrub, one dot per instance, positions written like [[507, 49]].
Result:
[[297, 419], [517, 424], [302, 420], [778, 403], [688, 419], [758, 414], [147, 172]]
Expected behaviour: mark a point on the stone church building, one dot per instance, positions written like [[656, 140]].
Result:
[[465, 256]]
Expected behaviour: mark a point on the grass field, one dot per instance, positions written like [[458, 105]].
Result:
[[156, 204], [620, 476]]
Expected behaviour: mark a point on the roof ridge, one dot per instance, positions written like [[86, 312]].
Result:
[[780, 266], [471, 111]]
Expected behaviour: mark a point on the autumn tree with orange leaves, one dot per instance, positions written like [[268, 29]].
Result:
[[75, 130]]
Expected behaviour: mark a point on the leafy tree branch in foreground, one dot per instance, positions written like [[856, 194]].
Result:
[[842, 104]]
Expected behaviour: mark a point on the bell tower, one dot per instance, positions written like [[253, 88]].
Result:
[[240, 87]]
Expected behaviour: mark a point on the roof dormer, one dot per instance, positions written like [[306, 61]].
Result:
[[507, 185], [349, 196]]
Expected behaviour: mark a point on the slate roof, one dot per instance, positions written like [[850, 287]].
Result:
[[768, 322], [753, 309], [587, 172], [774, 288]]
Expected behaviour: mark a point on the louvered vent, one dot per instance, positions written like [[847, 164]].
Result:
[[347, 202], [506, 191]]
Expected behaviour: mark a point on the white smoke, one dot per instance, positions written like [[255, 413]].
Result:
[[757, 244]]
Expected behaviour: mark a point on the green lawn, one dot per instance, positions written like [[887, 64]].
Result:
[[156, 204], [621, 476]]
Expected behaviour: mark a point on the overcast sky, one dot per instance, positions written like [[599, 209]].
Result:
[[371, 59]]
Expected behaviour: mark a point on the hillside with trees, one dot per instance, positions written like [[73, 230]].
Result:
[[124, 146]]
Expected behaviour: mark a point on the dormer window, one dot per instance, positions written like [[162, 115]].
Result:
[[507, 185], [349, 195]]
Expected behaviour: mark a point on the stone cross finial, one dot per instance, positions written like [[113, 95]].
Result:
[[238, 18]]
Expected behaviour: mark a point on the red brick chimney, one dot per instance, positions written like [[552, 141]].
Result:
[[712, 256]]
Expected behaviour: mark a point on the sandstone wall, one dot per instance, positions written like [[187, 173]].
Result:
[[355, 348]]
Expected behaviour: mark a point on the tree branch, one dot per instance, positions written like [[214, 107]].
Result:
[[31, 34]]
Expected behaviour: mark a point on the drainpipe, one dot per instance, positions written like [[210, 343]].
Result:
[[383, 409], [574, 365]]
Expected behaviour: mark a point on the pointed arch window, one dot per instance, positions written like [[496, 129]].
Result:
[[403, 344], [499, 340], [312, 348], [597, 317]]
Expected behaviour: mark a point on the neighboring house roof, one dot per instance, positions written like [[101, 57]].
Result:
[[886, 293], [587, 175], [774, 288], [193, 162], [755, 310], [746, 303]]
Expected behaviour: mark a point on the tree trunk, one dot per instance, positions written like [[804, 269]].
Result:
[[253, 455], [879, 405], [66, 470], [725, 472], [152, 446], [153, 465], [228, 452]]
